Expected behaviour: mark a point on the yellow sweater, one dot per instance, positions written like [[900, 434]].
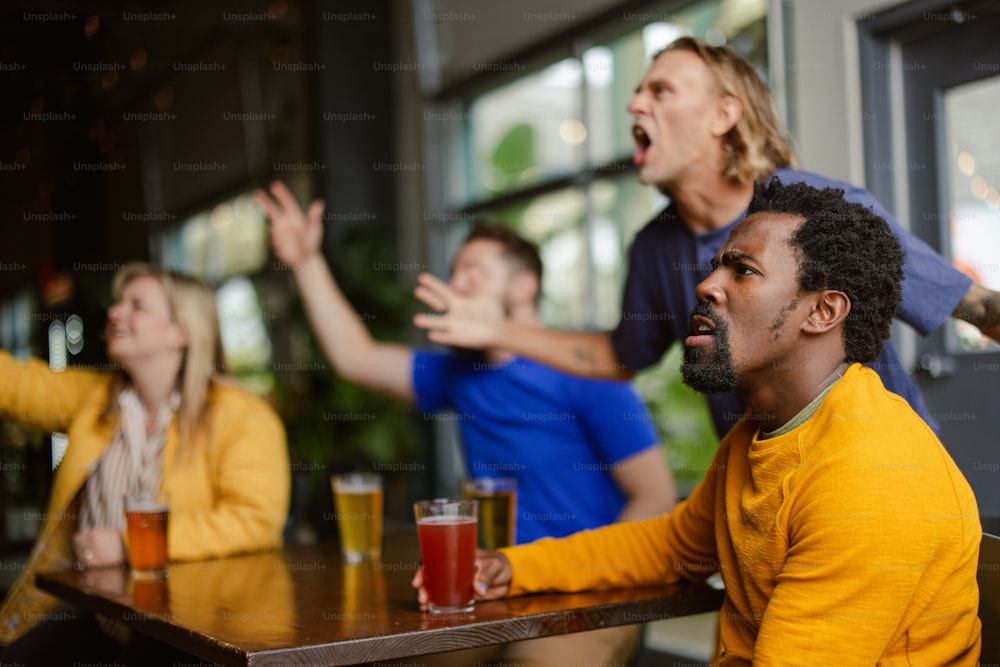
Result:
[[231, 496], [851, 540]]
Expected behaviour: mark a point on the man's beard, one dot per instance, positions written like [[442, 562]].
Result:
[[715, 373]]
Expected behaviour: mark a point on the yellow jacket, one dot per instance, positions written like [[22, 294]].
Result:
[[852, 539], [229, 497]]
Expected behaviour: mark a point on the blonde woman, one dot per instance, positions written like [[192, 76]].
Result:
[[167, 422]]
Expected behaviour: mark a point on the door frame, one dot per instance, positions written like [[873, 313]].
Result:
[[887, 107]]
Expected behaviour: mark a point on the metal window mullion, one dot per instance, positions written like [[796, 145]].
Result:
[[583, 180]]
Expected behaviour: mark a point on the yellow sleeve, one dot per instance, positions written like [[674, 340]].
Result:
[[615, 556], [250, 479], [660, 550], [35, 396]]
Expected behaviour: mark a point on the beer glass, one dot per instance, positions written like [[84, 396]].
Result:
[[146, 521], [497, 498], [446, 529], [358, 499]]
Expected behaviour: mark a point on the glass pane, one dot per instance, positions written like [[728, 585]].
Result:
[[608, 91], [554, 222], [228, 240], [527, 130], [17, 324], [244, 337], [973, 181]]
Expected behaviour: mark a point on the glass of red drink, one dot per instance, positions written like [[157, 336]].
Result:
[[447, 531]]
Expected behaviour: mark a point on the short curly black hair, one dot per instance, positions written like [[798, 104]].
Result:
[[846, 247]]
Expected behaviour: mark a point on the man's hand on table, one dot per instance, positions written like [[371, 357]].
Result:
[[492, 582]]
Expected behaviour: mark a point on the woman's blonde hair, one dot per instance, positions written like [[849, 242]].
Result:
[[192, 306], [758, 144]]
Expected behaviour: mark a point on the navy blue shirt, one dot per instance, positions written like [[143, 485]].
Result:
[[668, 260]]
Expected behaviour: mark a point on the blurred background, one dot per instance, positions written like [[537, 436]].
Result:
[[137, 129]]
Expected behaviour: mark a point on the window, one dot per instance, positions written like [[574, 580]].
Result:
[[17, 317], [972, 191], [230, 239], [224, 245], [550, 154], [22, 489]]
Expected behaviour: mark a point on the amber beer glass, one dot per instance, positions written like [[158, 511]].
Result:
[[446, 529], [497, 498], [146, 522], [358, 499]]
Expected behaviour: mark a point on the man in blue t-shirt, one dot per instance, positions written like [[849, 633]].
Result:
[[705, 131], [584, 451]]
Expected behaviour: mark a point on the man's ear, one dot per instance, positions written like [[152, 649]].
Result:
[[523, 288], [728, 113], [830, 309]]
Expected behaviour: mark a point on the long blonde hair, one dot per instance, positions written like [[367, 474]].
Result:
[[758, 143], [192, 306]]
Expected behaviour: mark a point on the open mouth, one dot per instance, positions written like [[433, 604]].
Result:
[[702, 326], [703, 329], [642, 144]]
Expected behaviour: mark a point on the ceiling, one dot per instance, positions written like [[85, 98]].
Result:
[[71, 72]]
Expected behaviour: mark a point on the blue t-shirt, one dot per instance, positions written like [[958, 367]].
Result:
[[559, 435], [667, 260]]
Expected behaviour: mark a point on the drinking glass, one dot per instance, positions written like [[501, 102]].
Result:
[[497, 498], [359, 498], [146, 520], [446, 528]]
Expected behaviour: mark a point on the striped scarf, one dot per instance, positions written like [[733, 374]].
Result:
[[130, 466]]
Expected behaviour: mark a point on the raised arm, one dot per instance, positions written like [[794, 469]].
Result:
[[296, 238], [473, 323], [981, 307], [35, 396]]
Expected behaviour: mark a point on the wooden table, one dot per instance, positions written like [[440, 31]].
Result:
[[304, 605]]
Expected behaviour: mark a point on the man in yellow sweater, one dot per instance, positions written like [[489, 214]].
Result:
[[843, 530]]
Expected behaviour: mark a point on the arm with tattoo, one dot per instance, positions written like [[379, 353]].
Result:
[[981, 307]]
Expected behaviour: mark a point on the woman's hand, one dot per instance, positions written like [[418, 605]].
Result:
[[99, 547]]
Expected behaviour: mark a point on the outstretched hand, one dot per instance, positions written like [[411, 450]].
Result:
[[295, 235], [462, 321], [492, 581]]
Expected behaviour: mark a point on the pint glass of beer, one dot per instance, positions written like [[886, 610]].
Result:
[[358, 499], [447, 532], [497, 498], [146, 522]]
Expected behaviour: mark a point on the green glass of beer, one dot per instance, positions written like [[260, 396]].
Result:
[[497, 498]]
